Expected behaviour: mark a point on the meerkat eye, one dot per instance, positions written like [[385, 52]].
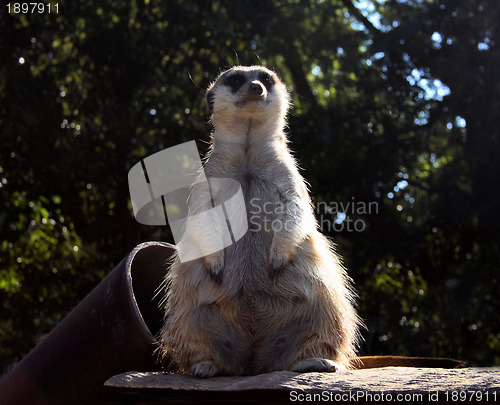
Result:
[[267, 80], [235, 82]]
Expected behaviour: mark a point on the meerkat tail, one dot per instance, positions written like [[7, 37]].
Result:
[[364, 362]]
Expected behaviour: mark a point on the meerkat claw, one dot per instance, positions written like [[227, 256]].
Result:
[[277, 262], [216, 277], [275, 271], [214, 265], [204, 369]]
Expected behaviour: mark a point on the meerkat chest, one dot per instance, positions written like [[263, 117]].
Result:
[[248, 257], [262, 194], [260, 182]]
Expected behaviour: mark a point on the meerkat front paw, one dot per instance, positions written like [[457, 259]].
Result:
[[317, 364], [277, 262], [204, 369], [214, 264], [276, 265]]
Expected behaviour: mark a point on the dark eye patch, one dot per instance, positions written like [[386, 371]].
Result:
[[235, 81], [267, 80]]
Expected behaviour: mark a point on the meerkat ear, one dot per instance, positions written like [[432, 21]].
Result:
[[210, 99]]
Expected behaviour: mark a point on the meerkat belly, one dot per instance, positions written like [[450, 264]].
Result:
[[248, 257], [247, 260]]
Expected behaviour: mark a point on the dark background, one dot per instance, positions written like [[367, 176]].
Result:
[[394, 103]]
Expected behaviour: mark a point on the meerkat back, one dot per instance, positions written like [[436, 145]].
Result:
[[278, 298]]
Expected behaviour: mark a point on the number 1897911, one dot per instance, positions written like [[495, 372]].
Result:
[[33, 8]]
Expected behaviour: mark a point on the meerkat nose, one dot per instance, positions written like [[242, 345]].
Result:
[[256, 89]]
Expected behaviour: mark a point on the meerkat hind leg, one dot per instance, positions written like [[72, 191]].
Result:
[[317, 364]]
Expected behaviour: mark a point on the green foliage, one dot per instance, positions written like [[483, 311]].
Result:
[[394, 103], [38, 270]]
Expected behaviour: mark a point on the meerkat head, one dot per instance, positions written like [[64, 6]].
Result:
[[247, 93]]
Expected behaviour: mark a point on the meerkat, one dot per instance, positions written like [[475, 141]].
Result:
[[279, 297]]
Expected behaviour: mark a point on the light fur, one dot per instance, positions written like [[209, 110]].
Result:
[[279, 298]]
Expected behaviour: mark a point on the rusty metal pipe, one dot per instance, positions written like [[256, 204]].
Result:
[[111, 331]]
